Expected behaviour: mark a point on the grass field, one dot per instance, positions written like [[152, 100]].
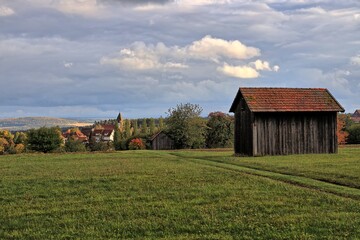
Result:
[[180, 195]]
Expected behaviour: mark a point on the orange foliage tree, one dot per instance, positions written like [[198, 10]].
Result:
[[341, 133]]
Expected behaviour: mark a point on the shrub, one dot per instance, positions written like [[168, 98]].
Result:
[[4, 144], [2, 150], [16, 149], [220, 130], [44, 139], [136, 144], [73, 145], [354, 134], [100, 146], [19, 148]]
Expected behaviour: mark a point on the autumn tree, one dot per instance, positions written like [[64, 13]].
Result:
[[20, 138], [117, 137], [127, 128], [341, 133], [6, 141]]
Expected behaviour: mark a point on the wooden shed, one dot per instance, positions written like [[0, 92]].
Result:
[[281, 121], [161, 141]]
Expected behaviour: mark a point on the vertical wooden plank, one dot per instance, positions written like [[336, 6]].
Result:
[[254, 140]]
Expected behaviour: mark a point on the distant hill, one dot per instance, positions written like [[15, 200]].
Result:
[[25, 123]]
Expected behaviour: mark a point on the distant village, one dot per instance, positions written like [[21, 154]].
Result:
[[104, 132]]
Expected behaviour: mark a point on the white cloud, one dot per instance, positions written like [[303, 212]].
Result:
[[175, 65], [264, 66], [276, 68], [87, 8], [201, 2], [215, 48], [68, 64], [82, 7], [238, 71], [355, 60], [145, 57], [6, 11], [261, 65]]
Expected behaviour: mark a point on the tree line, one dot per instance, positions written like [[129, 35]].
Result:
[[183, 124]]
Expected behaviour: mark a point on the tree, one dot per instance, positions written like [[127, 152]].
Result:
[[346, 117], [220, 130], [127, 128], [44, 139], [10, 143], [341, 133], [135, 127], [7, 144], [144, 127], [4, 145], [152, 126], [161, 123], [20, 138], [185, 126], [117, 137], [354, 134]]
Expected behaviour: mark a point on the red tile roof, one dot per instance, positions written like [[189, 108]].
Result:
[[108, 127], [287, 100], [356, 113], [356, 116], [77, 135]]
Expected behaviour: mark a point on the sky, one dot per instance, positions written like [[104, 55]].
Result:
[[96, 58]]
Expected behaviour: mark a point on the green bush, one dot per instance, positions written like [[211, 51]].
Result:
[[220, 130], [74, 146], [354, 134], [100, 146], [44, 139]]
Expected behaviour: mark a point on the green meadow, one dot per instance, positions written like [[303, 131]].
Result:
[[180, 195]]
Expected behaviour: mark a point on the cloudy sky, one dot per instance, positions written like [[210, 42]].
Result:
[[94, 58]]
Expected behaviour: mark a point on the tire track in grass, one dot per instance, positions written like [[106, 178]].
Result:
[[310, 183]]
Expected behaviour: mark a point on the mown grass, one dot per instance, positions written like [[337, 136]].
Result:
[[342, 168], [151, 195]]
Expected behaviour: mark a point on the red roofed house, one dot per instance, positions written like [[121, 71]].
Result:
[[75, 134], [281, 121], [356, 116], [103, 133]]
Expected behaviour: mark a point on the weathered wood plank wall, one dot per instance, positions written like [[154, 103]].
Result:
[[295, 133], [162, 142], [243, 138]]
